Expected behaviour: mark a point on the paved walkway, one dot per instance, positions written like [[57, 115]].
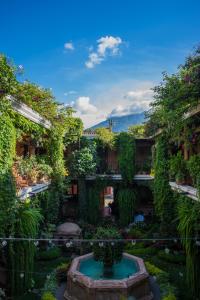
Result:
[[155, 288], [60, 292]]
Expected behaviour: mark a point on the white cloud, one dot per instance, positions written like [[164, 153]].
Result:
[[94, 59], [84, 106], [106, 46], [123, 97], [70, 93], [140, 94], [140, 100], [69, 46]]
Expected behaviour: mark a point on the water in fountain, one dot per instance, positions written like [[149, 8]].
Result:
[[95, 269]]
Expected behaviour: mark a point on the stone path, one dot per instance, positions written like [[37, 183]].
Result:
[[60, 292], [155, 288]]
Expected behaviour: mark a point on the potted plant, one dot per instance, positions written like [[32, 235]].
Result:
[[45, 172], [28, 168]]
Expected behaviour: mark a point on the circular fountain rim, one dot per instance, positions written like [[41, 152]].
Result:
[[76, 275]]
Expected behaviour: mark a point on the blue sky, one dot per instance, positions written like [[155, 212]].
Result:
[[101, 57]]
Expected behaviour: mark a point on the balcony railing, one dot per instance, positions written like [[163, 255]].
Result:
[[28, 112]]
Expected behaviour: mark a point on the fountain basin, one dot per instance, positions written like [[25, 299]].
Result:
[[90, 286]]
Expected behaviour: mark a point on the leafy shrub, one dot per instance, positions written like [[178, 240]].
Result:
[[50, 254], [51, 284], [177, 166], [193, 166], [171, 258], [107, 252], [169, 297], [162, 278], [153, 270], [143, 251], [48, 296], [61, 272], [136, 232], [130, 246], [32, 168], [82, 162]]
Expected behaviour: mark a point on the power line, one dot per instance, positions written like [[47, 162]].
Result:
[[18, 239]]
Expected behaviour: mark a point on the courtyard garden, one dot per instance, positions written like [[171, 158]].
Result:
[[54, 182]]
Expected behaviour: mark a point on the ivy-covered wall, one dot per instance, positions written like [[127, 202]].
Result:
[[163, 195], [7, 185]]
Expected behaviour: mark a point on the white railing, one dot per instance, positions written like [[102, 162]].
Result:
[[28, 112], [30, 191]]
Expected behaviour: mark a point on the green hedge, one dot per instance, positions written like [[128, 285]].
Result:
[[50, 254], [130, 246], [50, 284], [142, 251], [48, 296], [172, 258], [162, 277], [169, 297], [61, 272]]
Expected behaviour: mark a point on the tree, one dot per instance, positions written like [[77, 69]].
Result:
[[176, 95], [107, 251], [82, 162], [38, 98], [8, 82], [105, 137], [138, 131]]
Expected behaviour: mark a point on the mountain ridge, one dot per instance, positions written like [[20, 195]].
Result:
[[121, 123]]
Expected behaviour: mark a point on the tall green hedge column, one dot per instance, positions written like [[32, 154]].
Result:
[[7, 185], [163, 196], [189, 219], [126, 156], [56, 152], [126, 196]]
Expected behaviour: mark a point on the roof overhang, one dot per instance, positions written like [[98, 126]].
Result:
[[28, 112]]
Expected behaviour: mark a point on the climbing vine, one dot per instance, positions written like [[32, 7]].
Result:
[[22, 254], [7, 143], [163, 196], [126, 198], [94, 195], [56, 153], [18, 219], [126, 156], [189, 219]]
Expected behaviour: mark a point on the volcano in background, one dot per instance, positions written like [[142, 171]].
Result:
[[121, 123]]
